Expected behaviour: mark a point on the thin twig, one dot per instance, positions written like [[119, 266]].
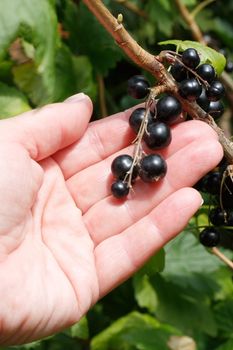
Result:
[[102, 100], [200, 7], [197, 34], [222, 257]]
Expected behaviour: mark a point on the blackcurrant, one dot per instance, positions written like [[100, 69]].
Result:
[[190, 89], [217, 216], [215, 91], [120, 189], [215, 109], [158, 135], [168, 109], [121, 165], [152, 167], [227, 193], [212, 182], [210, 237], [203, 101], [138, 86], [190, 58], [178, 71], [229, 66], [137, 117], [206, 72]]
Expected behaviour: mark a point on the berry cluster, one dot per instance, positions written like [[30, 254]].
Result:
[[198, 82], [220, 186], [152, 127]]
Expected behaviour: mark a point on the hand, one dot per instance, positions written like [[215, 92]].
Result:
[[64, 240]]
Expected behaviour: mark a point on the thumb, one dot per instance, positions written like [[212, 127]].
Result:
[[46, 130]]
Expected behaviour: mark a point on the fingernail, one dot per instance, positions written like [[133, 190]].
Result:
[[202, 202], [76, 98]]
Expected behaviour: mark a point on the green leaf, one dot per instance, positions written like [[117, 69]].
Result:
[[134, 331], [154, 264], [80, 329], [35, 23], [93, 40], [226, 346], [184, 307], [224, 317], [144, 293], [207, 54], [12, 102]]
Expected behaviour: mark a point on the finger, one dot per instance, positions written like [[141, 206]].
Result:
[[118, 257], [110, 216], [102, 138], [46, 130], [99, 174]]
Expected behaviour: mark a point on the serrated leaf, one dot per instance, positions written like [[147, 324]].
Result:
[[12, 102], [207, 54]]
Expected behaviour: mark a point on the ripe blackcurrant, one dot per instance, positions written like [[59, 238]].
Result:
[[227, 193], [210, 237], [203, 101], [168, 109], [212, 182], [152, 167], [215, 91], [120, 189], [190, 89], [178, 71], [158, 135], [206, 72], [138, 86], [215, 109], [190, 58], [121, 165], [229, 66], [137, 117], [217, 216]]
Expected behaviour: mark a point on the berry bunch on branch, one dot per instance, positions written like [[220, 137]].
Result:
[[187, 85]]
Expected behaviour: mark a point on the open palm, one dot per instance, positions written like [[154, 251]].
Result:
[[64, 240]]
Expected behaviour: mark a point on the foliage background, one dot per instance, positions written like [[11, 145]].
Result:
[[51, 49]]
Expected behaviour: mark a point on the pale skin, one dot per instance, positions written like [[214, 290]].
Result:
[[64, 240]]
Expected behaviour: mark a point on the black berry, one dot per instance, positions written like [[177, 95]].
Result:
[[158, 136], [138, 86], [137, 117], [190, 58], [152, 168], [203, 101], [190, 89], [215, 91], [168, 109], [229, 66], [120, 189], [178, 71], [206, 72], [215, 109], [121, 165], [212, 182], [210, 237], [217, 216]]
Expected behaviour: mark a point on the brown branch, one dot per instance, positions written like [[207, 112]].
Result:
[[154, 64], [102, 100], [189, 19], [222, 257]]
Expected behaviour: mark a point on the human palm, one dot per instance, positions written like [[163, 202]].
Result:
[[64, 240]]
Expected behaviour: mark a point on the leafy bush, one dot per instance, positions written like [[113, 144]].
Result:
[[51, 49]]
